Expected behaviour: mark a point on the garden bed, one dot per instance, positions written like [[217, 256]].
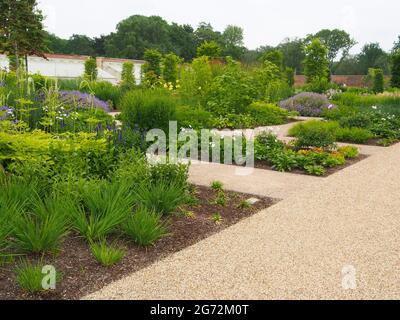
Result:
[[330, 171], [82, 274]]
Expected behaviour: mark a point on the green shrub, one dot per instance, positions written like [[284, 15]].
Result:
[[127, 77], [267, 114], [104, 207], [267, 144], [163, 197], [196, 118], [209, 49], [152, 68], [278, 90], [91, 69], [315, 133], [175, 174], [378, 78], [170, 68], [106, 91], [316, 63], [148, 109], [107, 255], [145, 227], [231, 93], [395, 68], [354, 135]]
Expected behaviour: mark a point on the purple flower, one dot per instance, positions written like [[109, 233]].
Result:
[[80, 99], [308, 104], [6, 112]]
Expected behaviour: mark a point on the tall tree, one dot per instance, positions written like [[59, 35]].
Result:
[[293, 53], [81, 45], [183, 40], [373, 56], [338, 43], [205, 32], [21, 29], [232, 39], [396, 45], [316, 63], [136, 34]]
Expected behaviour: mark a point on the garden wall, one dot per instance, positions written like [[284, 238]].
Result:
[[349, 80], [72, 66]]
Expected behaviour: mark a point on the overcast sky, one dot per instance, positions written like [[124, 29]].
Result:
[[264, 21]]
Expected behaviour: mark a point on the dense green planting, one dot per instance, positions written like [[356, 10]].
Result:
[[313, 160]]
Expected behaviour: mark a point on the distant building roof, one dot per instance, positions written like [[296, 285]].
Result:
[[80, 57]]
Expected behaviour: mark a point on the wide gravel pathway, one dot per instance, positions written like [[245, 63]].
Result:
[[296, 249]]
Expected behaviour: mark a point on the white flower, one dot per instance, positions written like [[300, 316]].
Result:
[[374, 107]]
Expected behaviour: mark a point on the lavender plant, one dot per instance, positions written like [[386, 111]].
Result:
[[308, 104]]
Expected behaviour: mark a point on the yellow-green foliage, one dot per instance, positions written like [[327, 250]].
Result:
[[80, 152]]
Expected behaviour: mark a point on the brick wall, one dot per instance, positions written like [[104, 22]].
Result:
[[350, 80]]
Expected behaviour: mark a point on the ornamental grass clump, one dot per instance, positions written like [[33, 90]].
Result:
[[145, 227], [107, 255], [103, 208], [307, 104]]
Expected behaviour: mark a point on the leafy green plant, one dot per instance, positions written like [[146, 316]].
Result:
[[315, 170], [267, 114], [42, 227], [217, 185], [267, 144], [107, 255], [148, 109], [127, 78], [90, 69], [104, 206], [217, 218], [244, 204], [316, 63], [220, 199], [283, 161], [315, 134], [145, 227], [163, 197], [176, 174], [357, 120], [348, 152]]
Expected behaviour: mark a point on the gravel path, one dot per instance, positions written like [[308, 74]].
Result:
[[296, 249]]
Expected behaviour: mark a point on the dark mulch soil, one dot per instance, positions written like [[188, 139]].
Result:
[[329, 171], [81, 274]]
